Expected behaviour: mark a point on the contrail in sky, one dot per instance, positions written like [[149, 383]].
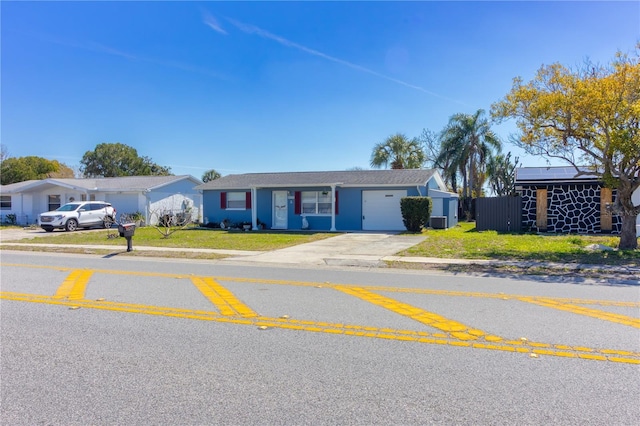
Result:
[[213, 22], [252, 29], [101, 48]]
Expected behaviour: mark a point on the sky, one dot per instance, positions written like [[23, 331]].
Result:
[[244, 87]]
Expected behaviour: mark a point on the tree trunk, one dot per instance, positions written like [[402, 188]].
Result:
[[628, 239], [629, 214]]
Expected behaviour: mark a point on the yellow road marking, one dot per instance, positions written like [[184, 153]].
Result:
[[581, 310], [329, 285], [224, 300], [347, 330], [454, 328], [73, 290], [74, 285]]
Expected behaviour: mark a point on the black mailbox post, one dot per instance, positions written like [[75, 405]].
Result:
[[127, 230]]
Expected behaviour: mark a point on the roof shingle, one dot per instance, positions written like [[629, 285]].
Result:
[[342, 178]]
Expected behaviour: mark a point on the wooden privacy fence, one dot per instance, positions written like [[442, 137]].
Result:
[[502, 214]]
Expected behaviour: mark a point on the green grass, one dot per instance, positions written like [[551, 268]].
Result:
[[464, 242], [187, 238]]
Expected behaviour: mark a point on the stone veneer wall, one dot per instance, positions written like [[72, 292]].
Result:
[[571, 208]]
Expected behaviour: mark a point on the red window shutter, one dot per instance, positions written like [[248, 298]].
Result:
[[336, 202], [298, 202], [248, 200], [223, 200]]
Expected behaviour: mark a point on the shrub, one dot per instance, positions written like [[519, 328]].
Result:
[[11, 219], [416, 212]]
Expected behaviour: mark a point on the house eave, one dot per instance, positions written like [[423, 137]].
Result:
[[317, 185], [557, 182]]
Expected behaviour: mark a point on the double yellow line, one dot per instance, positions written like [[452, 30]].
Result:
[[453, 333]]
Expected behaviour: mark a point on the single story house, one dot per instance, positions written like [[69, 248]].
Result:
[[149, 195], [357, 200], [555, 199]]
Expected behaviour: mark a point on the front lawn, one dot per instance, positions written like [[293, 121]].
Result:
[[461, 242], [187, 238], [464, 242]]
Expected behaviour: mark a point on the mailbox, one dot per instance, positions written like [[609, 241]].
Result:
[[127, 230]]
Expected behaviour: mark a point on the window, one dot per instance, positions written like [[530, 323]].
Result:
[[54, 202], [235, 200], [5, 202], [94, 206], [316, 202]]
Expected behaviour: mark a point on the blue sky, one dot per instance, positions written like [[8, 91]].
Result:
[[276, 86]]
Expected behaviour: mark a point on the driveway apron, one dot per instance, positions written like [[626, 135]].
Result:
[[359, 249]]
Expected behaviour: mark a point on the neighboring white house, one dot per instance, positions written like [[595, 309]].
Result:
[[22, 202]]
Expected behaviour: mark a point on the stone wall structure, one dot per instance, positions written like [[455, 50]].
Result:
[[571, 208]]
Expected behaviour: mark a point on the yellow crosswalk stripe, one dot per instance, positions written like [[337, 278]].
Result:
[[222, 298], [74, 285], [453, 328], [583, 310]]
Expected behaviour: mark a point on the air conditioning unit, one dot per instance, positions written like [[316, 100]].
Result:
[[439, 222]]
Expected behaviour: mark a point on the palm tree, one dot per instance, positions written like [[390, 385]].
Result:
[[210, 175], [466, 145], [399, 152]]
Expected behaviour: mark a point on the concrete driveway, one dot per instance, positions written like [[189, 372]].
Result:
[[15, 234], [354, 249]]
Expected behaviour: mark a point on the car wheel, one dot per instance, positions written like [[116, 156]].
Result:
[[71, 225], [107, 222]]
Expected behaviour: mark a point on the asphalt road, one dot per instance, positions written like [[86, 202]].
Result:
[[102, 341]]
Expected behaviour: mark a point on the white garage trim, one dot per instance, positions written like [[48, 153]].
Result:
[[381, 210]]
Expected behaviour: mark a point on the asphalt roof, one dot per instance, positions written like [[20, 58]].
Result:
[[125, 183], [410, 177]]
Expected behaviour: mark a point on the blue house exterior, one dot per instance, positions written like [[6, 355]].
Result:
[[362, 200]]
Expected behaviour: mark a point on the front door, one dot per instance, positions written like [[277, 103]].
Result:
[[280, 210]]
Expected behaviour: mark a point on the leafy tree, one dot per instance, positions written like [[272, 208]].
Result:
[[210, 175], [590, 118], [430, 142], [20, 169], [63, 171], [502, 174], [116, 159], [399, 152], [467, 142], [149, 168], [4, 152]]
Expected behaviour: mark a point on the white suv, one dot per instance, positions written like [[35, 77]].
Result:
[[84, 214]]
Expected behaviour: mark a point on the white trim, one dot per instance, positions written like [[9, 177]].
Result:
[[254, 209], [333, 208]]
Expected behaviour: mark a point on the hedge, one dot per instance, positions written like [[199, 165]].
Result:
[[416, 212]]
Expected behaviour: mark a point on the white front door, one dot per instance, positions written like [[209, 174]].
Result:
[[381, 210], [280, 210]]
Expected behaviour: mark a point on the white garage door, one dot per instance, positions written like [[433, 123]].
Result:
[[381, 210]]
